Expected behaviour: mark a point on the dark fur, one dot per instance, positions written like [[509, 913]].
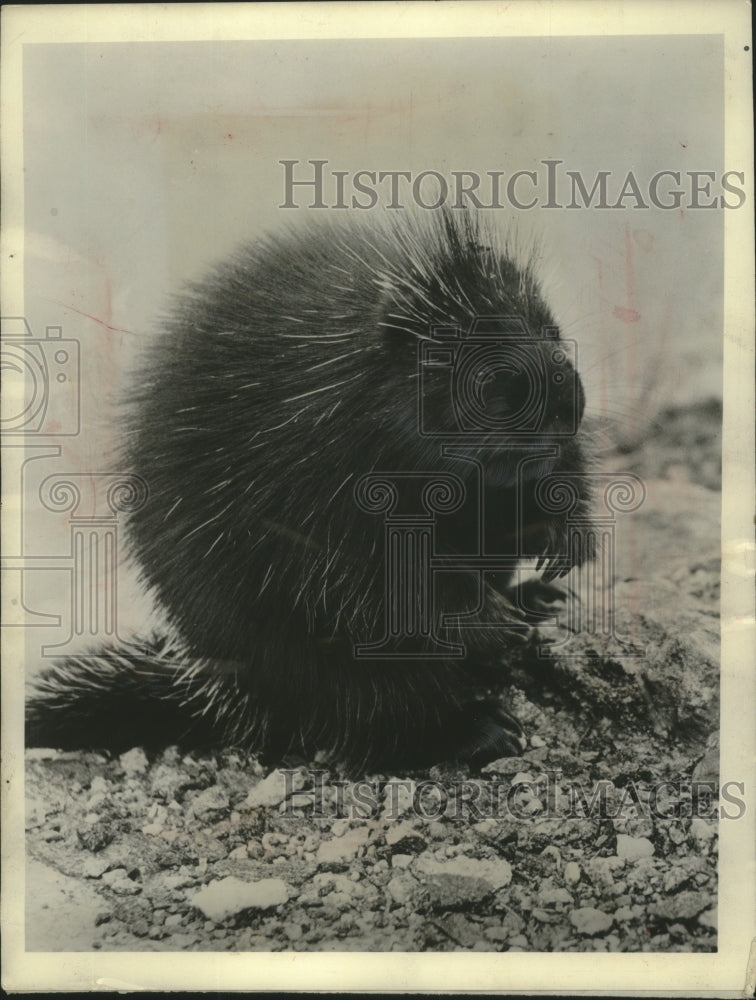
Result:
[[282, 378]]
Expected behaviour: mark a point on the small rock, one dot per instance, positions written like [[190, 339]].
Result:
[[404, 837], [537, 741], [166, 781], [114, 876], [682, 906], [676, 834], [175, 881], [134, 761], [174, 920], [486, 827], [554, 896], [460, 882], [401, 860], [632, 848], [231, 895], [702, 830], [343, 848], [572, 873], [588, 920], [496, 934], [212, 800], [271, 791], [401, 890], [460, 929], [505, 766], [709, 918], [95, 836], [495, 871], [95, 867], [522, 778], [437, 830]]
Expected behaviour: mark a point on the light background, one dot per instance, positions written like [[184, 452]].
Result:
[[145, 163]]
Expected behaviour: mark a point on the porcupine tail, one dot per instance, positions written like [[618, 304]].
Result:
[[144, 692]]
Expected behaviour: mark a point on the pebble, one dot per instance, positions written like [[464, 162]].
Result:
[[211, 800], [166, 781], [709, 918], [115, 875], [633, 848], [461, 881], [554, 896], [518, 941], [95, 867], [590, 921], [572, 873], [487, 827], [406, 834], [343, 848], [271, 791], [505, 766], [401, 860], [401, 889], [231, 895], [496, 934], [682, 906], [134, 761], [702, 830], [494, 871]]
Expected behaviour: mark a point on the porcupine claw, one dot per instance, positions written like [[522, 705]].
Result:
[[487, 732]]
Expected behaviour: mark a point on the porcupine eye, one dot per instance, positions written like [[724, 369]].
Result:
[[502, 393]]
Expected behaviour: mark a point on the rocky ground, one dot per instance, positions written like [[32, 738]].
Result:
[[574, 846]]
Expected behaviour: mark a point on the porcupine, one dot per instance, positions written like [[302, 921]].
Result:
[[279, 381]]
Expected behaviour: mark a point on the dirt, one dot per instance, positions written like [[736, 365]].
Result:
[[602, 836]]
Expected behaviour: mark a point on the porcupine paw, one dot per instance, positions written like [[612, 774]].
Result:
[[485, 731]]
